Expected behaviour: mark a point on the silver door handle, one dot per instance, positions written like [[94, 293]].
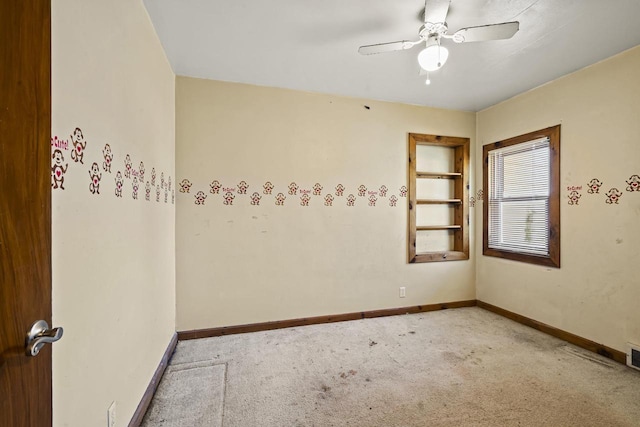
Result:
[[39, 335]]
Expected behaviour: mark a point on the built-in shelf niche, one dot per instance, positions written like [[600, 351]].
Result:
[[438, 198]]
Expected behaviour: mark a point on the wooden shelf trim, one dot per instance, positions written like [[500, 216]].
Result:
[[438, 201], [456, 198], [438, 227], [439, 256], [439, 175]]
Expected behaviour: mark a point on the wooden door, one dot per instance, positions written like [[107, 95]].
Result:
[[25, 208]]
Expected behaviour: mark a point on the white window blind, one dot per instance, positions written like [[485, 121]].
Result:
[[519, 182]]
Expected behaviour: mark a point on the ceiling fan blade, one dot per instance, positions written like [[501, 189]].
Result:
[[435, 11], [506, 30], [386, 47]]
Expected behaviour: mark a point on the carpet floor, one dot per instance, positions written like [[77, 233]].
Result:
[[460, 367]]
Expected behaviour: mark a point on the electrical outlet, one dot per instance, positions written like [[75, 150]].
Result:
[[403, 292], [111, 415]]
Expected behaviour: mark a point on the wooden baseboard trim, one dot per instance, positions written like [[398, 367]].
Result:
[[280, 324], [141, 410], [593, 346]]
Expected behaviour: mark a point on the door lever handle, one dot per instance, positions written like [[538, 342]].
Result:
[[39, 335]]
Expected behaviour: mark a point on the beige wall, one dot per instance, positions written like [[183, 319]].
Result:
[[244, 263], [113, 258], [595, 293]]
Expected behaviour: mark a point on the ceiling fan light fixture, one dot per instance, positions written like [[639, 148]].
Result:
[[433, 57]]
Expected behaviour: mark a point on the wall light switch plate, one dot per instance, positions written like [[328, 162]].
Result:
[[111, 415], [403, 292]]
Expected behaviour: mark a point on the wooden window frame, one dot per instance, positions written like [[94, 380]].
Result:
[[553, 259], [460, 200]]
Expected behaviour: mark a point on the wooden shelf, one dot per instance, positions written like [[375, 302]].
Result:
[[439, 175], [438, 227], [438, 201], [441, 256]]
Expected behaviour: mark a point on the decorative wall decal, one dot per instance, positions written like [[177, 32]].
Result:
[[185, 185], [79, 144], [255, 198], [119, 184], [215, 187], [305, 194], [141, 171], [200, 197], [472, 201], [103, 164], [96, 176], [153, 177], [328, 200], [242, 187], [634, 183], [108, 158], [228, 198], [574, 197], [135, 187], [57, 170], [480, 195], [59, 143], [613, 196], [127, 167], [267, 187], [594, 186], [173, 197], [281, 197]]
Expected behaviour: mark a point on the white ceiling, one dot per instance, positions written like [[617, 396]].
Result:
[[313, 45]]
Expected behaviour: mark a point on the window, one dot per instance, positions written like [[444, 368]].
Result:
[[521, 218]]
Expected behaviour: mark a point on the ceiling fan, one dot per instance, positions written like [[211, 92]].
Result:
[[435, 28]]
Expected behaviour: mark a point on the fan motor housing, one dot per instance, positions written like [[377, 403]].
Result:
[[430, 28]]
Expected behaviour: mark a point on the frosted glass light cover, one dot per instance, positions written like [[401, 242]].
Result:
[[433, 57]]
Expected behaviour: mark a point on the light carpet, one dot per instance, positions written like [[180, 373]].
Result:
[[460, 367]]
